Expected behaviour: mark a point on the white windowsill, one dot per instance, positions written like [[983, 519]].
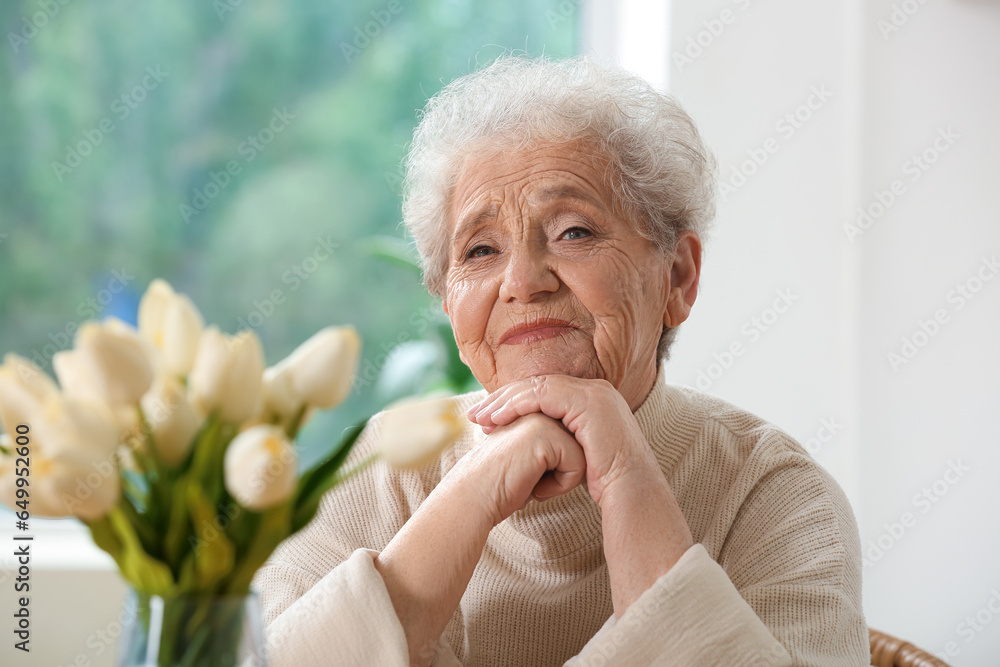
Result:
[[57, 545]]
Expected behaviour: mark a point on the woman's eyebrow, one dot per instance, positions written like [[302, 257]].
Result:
[[473, 220], [568, 191]]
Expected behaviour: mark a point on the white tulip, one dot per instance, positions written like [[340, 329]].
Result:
[[260, 467], [173, 422], [71, 486], [8, 478], [172, 323], [63, 485], [59, 424], [153, 307], [68, 425], [16, 406], [23, 388], [278, 396], [74, 373], [8, 483], [29, 376], [415, 430], [110, 363], [319, 373], [126, 459], [227, 374], [71, 461], [126, 422]]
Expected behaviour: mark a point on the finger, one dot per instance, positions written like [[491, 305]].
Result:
[[551, 399], [524, 403], [556, 483], [487, 400], [497, 395], [552, 395], [568, 470], [493, 401]]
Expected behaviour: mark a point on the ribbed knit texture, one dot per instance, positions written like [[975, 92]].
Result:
[[774, 579]]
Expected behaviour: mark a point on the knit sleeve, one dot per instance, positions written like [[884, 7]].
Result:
[[785, 589], [321, 597], [794, 553], [344, 618], [692, 615]]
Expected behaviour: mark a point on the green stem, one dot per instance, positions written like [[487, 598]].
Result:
[[147, 534], [147, 432], [293, 426]]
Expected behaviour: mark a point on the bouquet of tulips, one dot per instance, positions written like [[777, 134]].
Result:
[[174, 444]]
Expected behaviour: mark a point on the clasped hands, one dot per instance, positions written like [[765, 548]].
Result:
[[549, 433]]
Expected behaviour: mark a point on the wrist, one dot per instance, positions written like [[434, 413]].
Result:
[[635, 488], [641, 480], [646, 503], [461, 490]]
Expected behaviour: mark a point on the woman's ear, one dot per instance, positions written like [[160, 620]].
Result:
[[682, 282]]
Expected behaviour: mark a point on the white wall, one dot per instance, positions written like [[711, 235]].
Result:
[[820, 369], [77, 599]]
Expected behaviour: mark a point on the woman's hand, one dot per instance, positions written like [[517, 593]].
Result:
[[593, 411], [645, 532], [529, 457]]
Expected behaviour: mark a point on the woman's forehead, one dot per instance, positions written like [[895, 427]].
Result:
[[537, 177]]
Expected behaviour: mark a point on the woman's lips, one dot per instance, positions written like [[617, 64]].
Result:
[[536, 331]]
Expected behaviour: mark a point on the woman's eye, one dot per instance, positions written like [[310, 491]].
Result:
[[479, 251], [575, 233]]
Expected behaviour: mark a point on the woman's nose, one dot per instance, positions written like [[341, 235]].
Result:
[[528, 274]]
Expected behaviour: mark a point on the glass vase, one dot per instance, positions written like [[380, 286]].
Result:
[[192, 631]]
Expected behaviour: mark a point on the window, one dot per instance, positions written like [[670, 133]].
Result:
[[244, 151]]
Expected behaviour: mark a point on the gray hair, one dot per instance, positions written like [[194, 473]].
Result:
[[660, 168]]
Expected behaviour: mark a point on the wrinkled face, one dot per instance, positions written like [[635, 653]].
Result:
[[546, 275]]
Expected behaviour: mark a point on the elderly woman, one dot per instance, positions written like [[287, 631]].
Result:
[[590, 513]]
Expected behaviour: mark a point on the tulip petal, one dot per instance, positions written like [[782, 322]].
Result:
[[414, 431], [260, 467], [153, 309]]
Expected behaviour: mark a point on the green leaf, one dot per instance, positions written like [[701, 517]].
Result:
[[207, 463], [146, 573], [274, 527], [178, 526], [321, 478], [104, 537], [393, 250], [136, 488], [213, 551], [243, 527], [148, 537]]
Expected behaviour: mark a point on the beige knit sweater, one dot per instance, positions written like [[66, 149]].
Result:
[[773, 579]]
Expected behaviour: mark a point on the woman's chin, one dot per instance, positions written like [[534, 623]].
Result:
[[520, 363]]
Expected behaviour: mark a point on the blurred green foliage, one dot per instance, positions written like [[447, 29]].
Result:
[[246, 151]]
